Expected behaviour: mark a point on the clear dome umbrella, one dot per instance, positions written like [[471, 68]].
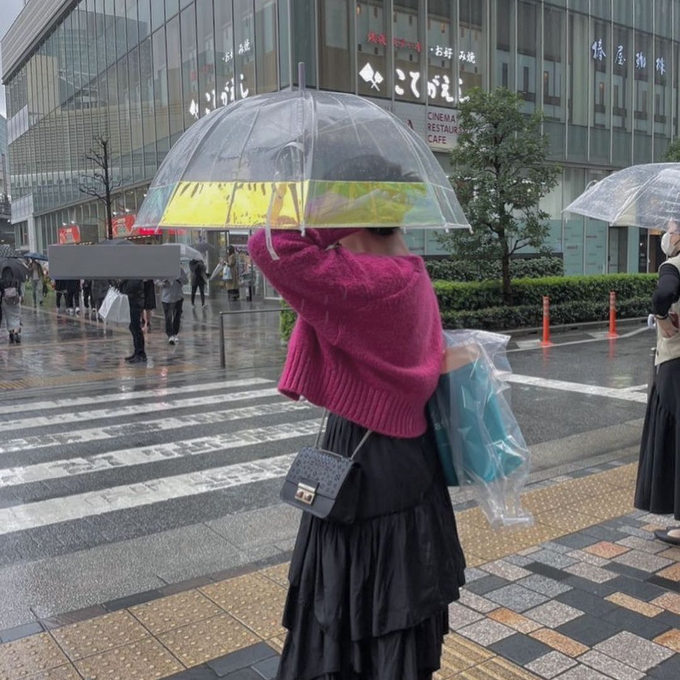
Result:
[[298, 159], [646, 196]]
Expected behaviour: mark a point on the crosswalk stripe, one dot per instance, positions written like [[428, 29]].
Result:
[[160, 452], [132, 410], [130, 394], [579, 388], [70, 467], [79, 506]]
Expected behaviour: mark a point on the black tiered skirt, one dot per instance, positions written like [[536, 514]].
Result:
[[369, 600], [658, 480]]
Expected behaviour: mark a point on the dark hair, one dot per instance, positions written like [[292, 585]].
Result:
[[231, 250], [371, 168]]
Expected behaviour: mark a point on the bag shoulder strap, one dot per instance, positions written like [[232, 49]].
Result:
[[324, 419]]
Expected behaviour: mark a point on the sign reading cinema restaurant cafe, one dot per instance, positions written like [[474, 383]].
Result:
[[435, 125]]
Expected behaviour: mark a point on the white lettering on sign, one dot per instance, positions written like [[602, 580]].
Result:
[[620, 58], [438, 87], [661, 66], [640, 60], [598, 50], [227, 96]]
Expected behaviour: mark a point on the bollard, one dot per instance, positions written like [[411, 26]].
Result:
[[612, 316], [546, 322]]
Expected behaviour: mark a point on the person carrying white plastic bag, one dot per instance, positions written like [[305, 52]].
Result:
[[478, 438], [116, 307]]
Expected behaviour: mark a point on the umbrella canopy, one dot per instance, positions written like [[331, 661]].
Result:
[[19, 271], [186, 252], [35, 256], [646, 196], [291, 160]]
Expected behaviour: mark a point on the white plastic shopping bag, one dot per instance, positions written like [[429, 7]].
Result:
[[115, 308]]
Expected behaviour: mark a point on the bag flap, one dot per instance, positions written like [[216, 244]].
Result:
[[324, 471]]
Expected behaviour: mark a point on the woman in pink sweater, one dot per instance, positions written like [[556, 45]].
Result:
[[367, 600]]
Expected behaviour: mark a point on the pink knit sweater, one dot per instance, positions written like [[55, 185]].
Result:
[[368, 341]]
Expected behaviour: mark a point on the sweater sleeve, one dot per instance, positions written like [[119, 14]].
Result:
[[312, 277], [667, 291]]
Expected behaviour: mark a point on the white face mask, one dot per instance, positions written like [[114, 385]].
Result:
[[667, 244]]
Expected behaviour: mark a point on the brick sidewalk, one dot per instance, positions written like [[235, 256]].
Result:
[[584, 594]]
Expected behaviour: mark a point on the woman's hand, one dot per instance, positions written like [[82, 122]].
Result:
[[668, 328]]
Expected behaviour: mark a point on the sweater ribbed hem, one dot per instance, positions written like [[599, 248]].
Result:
[[348, 396]]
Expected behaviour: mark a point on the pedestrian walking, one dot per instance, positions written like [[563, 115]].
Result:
[[134, 289], [86, 285], [73, 296], [100, 287], [149, 303], [37, 282], [172, 299], [658, 480], [370, 586], [230, 274], [60, 290], [198, 279], [10, 303]]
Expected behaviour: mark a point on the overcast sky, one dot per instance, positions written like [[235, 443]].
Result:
[[10, 11]]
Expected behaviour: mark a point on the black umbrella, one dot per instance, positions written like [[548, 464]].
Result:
[[19, 270]]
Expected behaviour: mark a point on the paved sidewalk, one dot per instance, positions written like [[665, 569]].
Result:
[[584, 594]]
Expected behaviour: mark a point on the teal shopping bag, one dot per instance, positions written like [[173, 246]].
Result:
[[473, 426]]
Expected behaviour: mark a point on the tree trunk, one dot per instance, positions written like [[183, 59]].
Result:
[[505, 270]]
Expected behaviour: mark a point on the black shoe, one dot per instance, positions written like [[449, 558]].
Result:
[[138, 359], [663, 535], [17, 338], [131, 357], [11, 338]]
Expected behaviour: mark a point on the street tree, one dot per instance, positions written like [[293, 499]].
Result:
[[100, 183], [673, 152], [500, 173]]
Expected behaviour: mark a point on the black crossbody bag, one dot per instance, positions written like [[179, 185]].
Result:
[[323, 483]]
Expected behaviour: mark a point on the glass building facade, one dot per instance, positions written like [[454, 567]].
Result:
[[140, 72]]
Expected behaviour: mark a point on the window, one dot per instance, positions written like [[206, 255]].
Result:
[[224, 50], [192, 99], [174, 61], [244, 48], [442, 54], [335, 56], [408, 46], [372, 61], [266, 47], [206, 56], [160, 91]]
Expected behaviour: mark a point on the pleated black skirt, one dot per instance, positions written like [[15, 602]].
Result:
[[658, 481], [369, 600]]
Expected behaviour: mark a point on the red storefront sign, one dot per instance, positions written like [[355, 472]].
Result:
[[70, 234], [122, 226], [399, 43]]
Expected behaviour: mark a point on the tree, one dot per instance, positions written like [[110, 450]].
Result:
[[100, 184], [500, 174], [673, 152]]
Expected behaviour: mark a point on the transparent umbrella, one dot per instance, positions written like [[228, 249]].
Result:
[[297, 159], [186, 252], [646, 196]]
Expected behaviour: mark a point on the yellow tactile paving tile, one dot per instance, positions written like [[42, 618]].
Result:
[[459, 654], [671, 553], [80, 640], [496, 669], [635, 605], [670, 639], [62, 673], [566, 519], [27, 657], [166, 613], [208, 639], [560, 642], [278, 574], [276, 643], [254, 600], [144, 660]]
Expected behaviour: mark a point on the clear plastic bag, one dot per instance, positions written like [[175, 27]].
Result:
[[478, 438]]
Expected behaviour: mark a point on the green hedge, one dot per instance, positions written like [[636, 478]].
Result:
[[460, 270], [459, 297], [286, 321], [573, 299]]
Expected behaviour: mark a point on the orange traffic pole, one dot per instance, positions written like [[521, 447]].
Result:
[[546, 322], [612, 316]]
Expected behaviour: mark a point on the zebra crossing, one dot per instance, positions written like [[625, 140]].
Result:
[[69, 462]]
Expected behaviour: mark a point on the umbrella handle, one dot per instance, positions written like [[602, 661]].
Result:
[[268, 227]]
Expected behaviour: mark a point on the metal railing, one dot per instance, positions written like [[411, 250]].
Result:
[[234, 312]]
